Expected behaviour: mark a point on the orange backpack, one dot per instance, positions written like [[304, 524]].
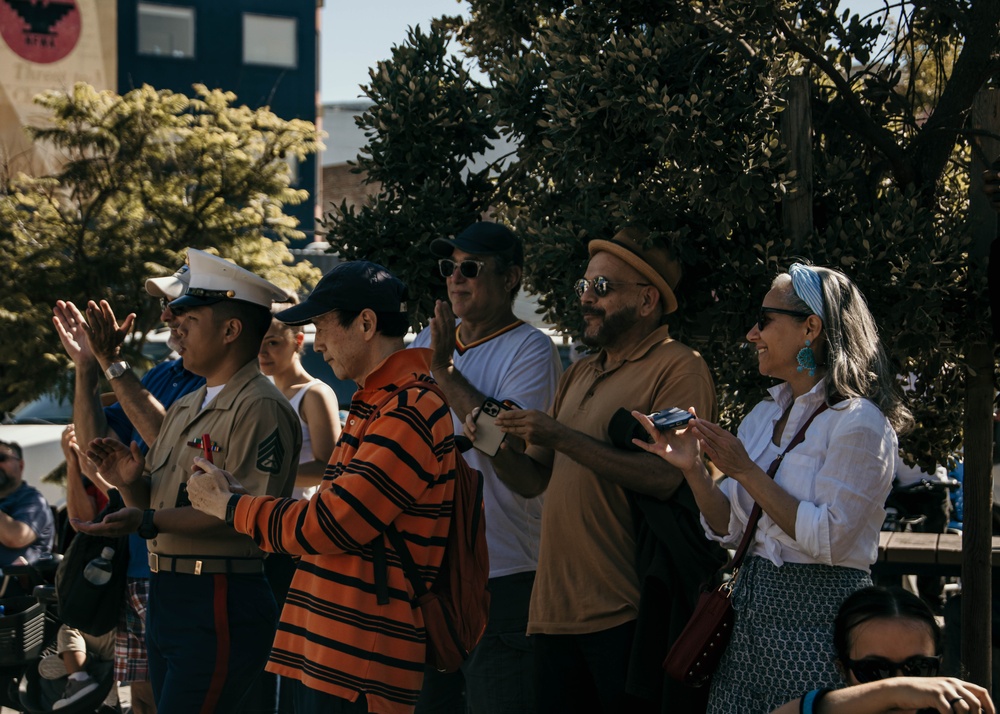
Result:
[[457, 605]]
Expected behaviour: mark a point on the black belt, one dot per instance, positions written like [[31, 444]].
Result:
[[193, 565]]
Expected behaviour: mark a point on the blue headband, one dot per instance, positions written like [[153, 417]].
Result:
[[808, 286]]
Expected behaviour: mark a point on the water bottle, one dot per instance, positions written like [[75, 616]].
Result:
[[98, 571]]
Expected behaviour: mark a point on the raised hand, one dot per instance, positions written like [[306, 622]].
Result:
[[442, 336], [71, 328], [104, 332]]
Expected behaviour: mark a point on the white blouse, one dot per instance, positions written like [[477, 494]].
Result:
[[841, 474]]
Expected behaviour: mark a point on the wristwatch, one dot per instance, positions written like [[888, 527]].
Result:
[[117, 369], [231, 508], [147, 529]]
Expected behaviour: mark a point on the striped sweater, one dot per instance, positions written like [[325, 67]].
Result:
[[333, 635]]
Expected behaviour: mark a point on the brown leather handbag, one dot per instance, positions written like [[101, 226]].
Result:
[[695, 654]]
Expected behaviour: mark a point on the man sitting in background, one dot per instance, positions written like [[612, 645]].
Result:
[[26, 523]]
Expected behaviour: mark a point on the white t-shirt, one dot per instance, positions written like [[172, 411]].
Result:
[[841, 474], [521, 364]]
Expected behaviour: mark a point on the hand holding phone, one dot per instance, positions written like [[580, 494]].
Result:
[[488, 435], [672, 418]]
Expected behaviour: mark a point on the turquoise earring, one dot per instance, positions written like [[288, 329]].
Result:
[[807, 359]]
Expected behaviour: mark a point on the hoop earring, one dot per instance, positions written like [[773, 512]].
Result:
[[807, 359]]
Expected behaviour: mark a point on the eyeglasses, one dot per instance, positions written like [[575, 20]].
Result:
[[8, 457], [164, 303], [469, 268], [600, 284], [763, 320], [871, 669]]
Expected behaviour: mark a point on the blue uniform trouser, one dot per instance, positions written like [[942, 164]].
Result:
[[208, 637]]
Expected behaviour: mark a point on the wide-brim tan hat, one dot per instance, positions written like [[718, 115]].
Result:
[[655, 263]]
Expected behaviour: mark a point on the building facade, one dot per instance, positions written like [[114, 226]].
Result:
[[264, 51]]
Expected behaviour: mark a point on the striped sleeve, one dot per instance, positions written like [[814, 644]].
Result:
[[392, 469]]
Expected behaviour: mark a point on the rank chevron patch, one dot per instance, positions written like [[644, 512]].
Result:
[[270, 454]]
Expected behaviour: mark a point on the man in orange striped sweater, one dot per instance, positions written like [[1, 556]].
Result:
[[394, 464]]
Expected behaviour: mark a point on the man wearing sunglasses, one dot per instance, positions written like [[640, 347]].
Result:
[[491, 353], [26, 523], [585, 601], [94, 344]]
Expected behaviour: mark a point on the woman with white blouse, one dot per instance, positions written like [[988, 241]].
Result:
[[822, 512]]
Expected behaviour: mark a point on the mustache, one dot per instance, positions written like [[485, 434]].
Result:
[[589, 310]]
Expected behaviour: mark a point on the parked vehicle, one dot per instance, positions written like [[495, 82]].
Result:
[[37, 425]]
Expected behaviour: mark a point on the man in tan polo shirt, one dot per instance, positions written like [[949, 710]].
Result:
[[586, 596]]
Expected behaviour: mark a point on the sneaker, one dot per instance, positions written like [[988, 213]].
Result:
[[52, 667], [76, 689]]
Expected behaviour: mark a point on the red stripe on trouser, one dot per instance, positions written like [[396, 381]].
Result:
[[219, 606]]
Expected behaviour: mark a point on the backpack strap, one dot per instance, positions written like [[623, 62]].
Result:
[[409, 566]]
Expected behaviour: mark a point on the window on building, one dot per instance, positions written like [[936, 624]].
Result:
[[269, 40], [166, 30]]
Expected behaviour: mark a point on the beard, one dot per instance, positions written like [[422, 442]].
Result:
[[613, 325]]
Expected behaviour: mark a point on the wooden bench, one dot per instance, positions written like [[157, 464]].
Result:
[[923, 554]]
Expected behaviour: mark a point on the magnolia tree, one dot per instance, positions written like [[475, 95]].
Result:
[[669, 114], [145, 176]]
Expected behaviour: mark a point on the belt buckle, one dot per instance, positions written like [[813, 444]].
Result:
[[197, 567], [154, 563]]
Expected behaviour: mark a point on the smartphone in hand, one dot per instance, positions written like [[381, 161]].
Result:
[[488, 435]]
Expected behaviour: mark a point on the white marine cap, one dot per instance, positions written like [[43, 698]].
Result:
[[170, 287], [214, 279]]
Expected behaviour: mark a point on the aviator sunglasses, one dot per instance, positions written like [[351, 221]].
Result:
[[600, 284], [469, 268], [871, 669], [763, 319]]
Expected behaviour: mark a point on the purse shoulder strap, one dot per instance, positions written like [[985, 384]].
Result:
[[755, 512]]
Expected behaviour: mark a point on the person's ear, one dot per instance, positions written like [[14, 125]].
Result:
[[300, 337], [512, 278], [814, 326], [649, 298], [231, 330], [367, 322]]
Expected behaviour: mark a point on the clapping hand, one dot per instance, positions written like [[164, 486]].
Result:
[[121, 465], [104, 332]]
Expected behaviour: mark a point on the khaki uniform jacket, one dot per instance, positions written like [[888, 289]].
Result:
[[258, 438]]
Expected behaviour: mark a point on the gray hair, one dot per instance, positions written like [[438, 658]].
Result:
[[856, 363]]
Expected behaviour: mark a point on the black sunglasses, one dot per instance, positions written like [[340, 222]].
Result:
[[763, 319], [872, 669], [8, 457], [600, 284], [469, 268]]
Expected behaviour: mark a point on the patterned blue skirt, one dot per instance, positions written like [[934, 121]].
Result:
[[782, 642]]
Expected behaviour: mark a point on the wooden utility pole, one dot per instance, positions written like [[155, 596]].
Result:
[[796, 131], [978, 432]]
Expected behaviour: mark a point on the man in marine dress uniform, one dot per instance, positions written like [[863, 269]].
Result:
[[211, 615]]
